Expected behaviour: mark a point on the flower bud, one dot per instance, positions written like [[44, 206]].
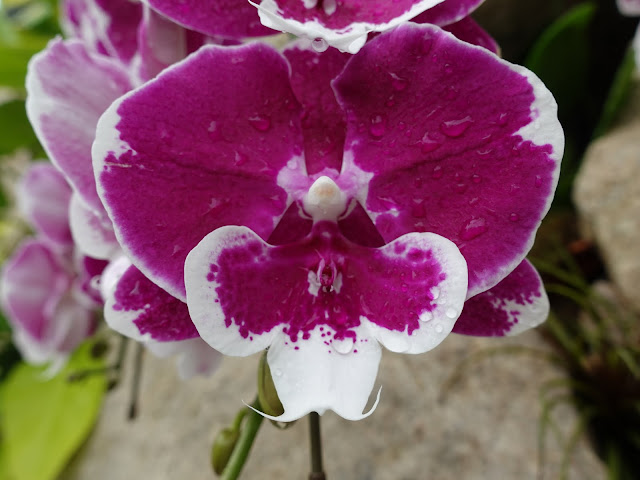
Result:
[[267, 394], [223, 447]]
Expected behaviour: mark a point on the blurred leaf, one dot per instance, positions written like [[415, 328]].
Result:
[[617, 94], [16, 129], [561, 58], [43, 422]]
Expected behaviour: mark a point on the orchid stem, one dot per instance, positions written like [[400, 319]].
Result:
[[135, 384], [248, 433], [317, 472]]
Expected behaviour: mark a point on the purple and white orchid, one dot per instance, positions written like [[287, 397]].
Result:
[[48, 289], [69, 86], [320, 204]]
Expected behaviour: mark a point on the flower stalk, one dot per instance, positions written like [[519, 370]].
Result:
[[317, 471]]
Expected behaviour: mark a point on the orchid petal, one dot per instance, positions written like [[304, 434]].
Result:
[[108, 27], [68, 89], [517, 303], [630, 8], [344, 24], [225, 18], [93, 234], [316, 378], [33, 282], [243, 292], [213, 139], [439, 144], [323, 121], [448, 12], [141, 310], [162, 43], [43, 196], [469, 31]]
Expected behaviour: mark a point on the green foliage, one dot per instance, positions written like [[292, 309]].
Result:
[[16, 129], [44, 421]]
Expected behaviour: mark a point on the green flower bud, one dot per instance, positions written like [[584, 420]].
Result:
[[267, 394], [223, 447]]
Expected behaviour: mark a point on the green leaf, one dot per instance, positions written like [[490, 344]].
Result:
[[43, 422], [617, 94], [16, 129]]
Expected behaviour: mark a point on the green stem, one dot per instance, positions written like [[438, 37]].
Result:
[[317, 472], [245, 442]]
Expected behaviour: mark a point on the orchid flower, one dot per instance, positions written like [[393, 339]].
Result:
[[69, 86], [327, 204], [343, 24], [48, 289]]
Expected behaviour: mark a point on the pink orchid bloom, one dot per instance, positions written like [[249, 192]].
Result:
[[118, 45], [343, 24], [321, 205], [48, 289]]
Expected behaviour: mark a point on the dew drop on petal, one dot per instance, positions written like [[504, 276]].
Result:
[[398, 84], [427, 144], [240, 159], [451, 313], [329, 6], [514, 217], [455, 128], [418, 210], [439, 328], [319, 45], [435, 293], [378, 126], [426, 316], [343, 346], [473, 228], [260, 123], [476, 178], [502, 119], [538, 181], [277, 372], [437, 172]]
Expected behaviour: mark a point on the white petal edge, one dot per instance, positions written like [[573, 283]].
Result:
[[92, 235]]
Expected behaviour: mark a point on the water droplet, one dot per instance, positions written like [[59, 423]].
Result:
[[214, 131], [455, 128], [398, 84], [474, 228], [428, 144], [437, 172], [439, 328], [538, 181], [319, 45], [329, 6], [476, 178], [426, 316], [404, 287], [461, 187], [435, 292], [390, 103], [451, 313], [260, 123], [277, 372], [95, 282], [343, 346], [378, 126], [502, 119], [514, 217], [240, 159], [447, 68], [451, 93], [402, 126]]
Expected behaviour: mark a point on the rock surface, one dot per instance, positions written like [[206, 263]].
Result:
[[607, 195], [484, 426]]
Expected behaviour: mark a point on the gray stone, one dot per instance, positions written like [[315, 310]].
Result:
[[607, 195], [484, 426]]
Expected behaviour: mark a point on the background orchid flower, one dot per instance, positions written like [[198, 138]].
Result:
[[69, 86], [308, 239], [48, 289], [344, 24]]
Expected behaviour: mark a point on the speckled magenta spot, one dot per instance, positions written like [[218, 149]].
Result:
[[162, 316], [324, 280]]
